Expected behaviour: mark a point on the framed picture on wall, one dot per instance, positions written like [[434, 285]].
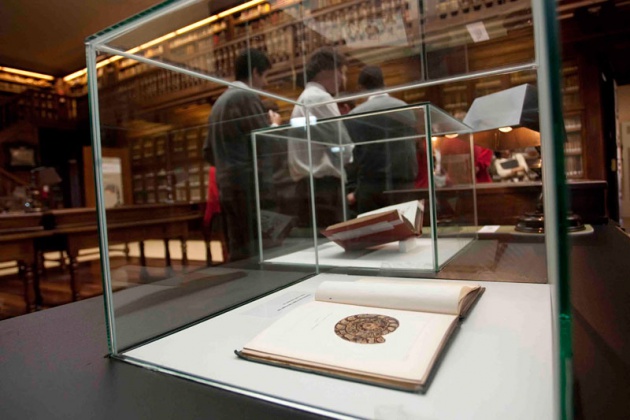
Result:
[[116, 177], [20, 155]]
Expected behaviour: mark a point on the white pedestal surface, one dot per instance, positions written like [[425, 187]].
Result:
[[498, 366], [387, 256]]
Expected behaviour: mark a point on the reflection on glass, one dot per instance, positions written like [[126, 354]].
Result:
[[280, 191], [385, 172], [429, 40]]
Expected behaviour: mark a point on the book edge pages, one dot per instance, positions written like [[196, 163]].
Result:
[[332, 372], [361, 220], [397, 223], [469, 301], [416, 385]]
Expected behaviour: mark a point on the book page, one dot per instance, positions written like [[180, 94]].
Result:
[[408, 210], [436, 297], [313, 335]]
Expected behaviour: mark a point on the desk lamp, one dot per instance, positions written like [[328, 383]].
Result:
[[509, 120]]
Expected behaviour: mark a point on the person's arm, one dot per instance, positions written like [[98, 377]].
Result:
[[333, 132], [253, 116], [522, 165], [274, 118]]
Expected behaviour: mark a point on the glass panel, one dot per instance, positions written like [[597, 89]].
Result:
[[285, 217], [209, 44], [455, 161], [165, 219], [458, 33], [414, 42]]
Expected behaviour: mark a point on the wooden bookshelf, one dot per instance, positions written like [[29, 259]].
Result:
[[289, 31]]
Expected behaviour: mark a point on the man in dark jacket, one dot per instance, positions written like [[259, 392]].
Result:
[[381, 165], [228, 146]]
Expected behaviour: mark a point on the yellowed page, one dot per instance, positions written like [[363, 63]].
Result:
[[308, 335], [417, 295]]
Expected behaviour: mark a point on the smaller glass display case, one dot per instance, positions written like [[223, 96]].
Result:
[[369, 191]]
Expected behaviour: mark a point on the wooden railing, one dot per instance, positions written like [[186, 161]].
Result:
[[8, 177]]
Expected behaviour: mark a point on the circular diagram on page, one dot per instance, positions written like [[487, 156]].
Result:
[[366, 328]]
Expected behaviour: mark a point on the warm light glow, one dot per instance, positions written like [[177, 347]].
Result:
[[434, 139], [153, 42], [451, 136], [240, 7], [27, 73], [196, 25], [74, 75], [169, 36], [505, 129]]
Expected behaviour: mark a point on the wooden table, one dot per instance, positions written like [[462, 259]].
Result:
[[503, 203], [76, 229], [18, 233]]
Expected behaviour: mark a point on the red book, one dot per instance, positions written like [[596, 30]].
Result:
[[377, 228]]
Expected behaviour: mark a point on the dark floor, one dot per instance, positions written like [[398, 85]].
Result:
[[55, 282]]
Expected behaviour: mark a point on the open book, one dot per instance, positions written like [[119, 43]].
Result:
[[388, 224], [384, 332]]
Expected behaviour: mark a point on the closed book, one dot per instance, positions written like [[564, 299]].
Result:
[[390, 224]]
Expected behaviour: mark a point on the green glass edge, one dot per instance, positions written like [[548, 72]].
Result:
[[108, 327], [101, 218], [428, 133], [131, 19], [565, 356]]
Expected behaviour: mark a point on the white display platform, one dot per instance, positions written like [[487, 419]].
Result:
[[499, 365], [420, 257]]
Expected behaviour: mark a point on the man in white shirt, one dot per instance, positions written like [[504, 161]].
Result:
[[331, 145]]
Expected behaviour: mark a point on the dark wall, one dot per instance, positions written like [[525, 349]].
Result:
[[63, 150]]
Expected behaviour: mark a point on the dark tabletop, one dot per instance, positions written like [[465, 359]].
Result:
[[54, 364]]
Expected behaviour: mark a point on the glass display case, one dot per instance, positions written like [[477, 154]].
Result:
[[385, 153], [300, 195]]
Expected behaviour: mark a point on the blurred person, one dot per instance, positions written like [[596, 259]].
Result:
[[332, 147], [511, 166], [234, 116], [453, 150], [381, 166]]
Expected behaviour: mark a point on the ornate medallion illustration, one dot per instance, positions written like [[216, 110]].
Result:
[[366, 328]]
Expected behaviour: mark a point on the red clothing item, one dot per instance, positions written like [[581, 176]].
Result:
[[482, 156], [213, 206], [483, 159], [422, 179]]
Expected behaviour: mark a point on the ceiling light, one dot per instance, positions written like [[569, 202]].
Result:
[[169, 35], [27, 73]]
